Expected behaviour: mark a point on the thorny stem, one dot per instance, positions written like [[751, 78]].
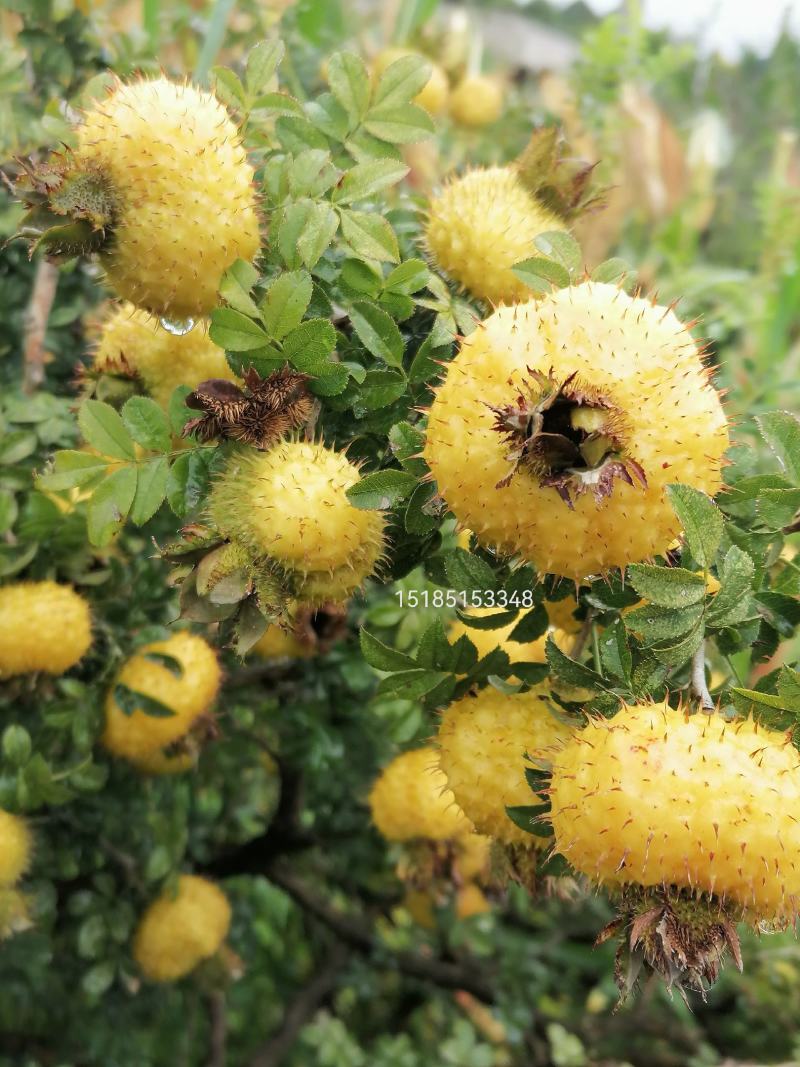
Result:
[[699, 687]]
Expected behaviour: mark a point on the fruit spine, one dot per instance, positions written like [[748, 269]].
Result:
[[561, 421]]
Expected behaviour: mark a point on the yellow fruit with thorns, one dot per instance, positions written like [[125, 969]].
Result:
[[482, 223], [182, 674], [132, 342], [44, 626], [483, 741], [433, 95], [277, 643], [159, 185], [290, 505], [657, 797], [561, 422], [410, 799], [16, 847], [178, 931], [477, 100]]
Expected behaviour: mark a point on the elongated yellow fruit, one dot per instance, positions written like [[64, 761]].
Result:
[[44, 626], [657, 797], [177, 932], [561, 422]]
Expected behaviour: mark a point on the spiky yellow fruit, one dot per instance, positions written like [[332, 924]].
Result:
[[471, 900], [482, 223], [477, 100], [290, 504], [188, 693], [410, 799], [44, 626], [483, 741], [433, 95], [178, 932], [183, 192], [561, 422], [134, 342], [656, 797], [16, 847]]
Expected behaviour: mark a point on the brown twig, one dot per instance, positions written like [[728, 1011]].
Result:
[[301, 1009], [360, 935], [218, 1018], [35, 323]]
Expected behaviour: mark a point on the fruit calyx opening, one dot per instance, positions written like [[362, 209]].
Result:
[[72, 208], [681, 937], [568, 435]]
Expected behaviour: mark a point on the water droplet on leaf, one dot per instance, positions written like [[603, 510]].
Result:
[[179, 327]]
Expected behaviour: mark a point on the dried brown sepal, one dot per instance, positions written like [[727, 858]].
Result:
[[669, 933], [560, 181], [568, 435], [259, 414], [317, 629]]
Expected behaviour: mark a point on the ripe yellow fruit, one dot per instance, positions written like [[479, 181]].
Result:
[[483, 741], [290, 504], [477, 100], [134, 342], [176, 933], [656, 797], [16, 846], [472, 856], [190, 695], [561, 614], [183, 190], [44, 626], [433, 96], [410, 799], [482, 223], [561, 421], [471, 900], [277, 643]]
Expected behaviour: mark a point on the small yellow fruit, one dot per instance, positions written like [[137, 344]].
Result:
[[483, 741], [471, 900], [290, 504], [410, 799], [472, 856], [16, 846], [176, 933], [477, 100], [482, 223], [639, 413], [656, 797], [14, 913], [433, 96], [140, 736], [183, 189], [133, 341], [44, 626], [277, 643], [561, 614]]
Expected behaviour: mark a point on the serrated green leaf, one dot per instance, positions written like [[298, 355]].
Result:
[[130, 701], [110, 504], [228, 88], [407, 442], [235, 332], [381, 490], [399, 124], [531, 626], [147, 424], [235, 286], [408, 277], [365, 179], [286, 302], [402, 81], [701, 520], [412, 684], [615, 653], [781, 431], [187, 483], [70, 469], [496, 621], [381, 656], [434, 650], [16, 446], [736, 573], [778, 507], [653, 623], [378, 332], [318, 231], [563, 248], [103, 429], [349, 82], [262, 63], [309, 346], [468, 572], [381, 388], [570, 671], [528, 817], [417, 520], [328, 115], [541, 274], [369, 235], [679, 652], [610, 270], [669, 587], [151, 488], [296, 133]]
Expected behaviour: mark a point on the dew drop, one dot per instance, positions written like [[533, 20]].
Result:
[[178, 327]]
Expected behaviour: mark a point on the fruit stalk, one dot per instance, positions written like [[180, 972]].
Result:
[[699, 686]]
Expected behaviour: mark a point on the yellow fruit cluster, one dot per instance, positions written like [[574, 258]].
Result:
[[134, 342], [290, 504], [188, 688], [44, 626], [637, 392], [185, 202], [480, 225], [177, 932], [483, 741], [411, 799], [657, 797]]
